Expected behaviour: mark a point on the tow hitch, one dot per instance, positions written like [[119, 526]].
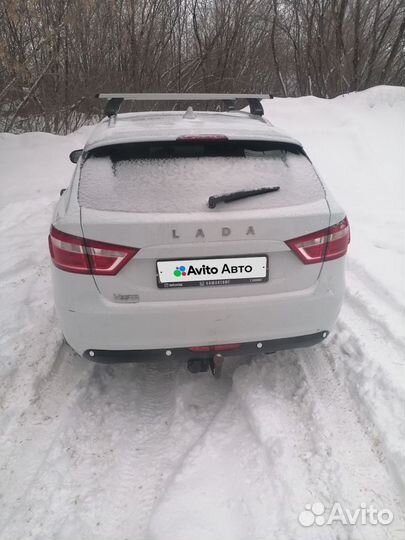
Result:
[[201, 365], [216, 363]]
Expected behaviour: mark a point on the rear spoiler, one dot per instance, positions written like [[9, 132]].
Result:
[[115, 100]]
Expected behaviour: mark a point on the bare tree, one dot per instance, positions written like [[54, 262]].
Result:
[[54, 56]]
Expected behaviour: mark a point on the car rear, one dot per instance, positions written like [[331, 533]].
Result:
[[157, 272]]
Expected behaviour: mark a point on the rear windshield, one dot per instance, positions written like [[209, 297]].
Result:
[[180, 176]]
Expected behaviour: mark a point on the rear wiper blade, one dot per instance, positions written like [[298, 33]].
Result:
[[229, 197]]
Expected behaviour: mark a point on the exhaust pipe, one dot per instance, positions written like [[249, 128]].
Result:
[[201, 365], [198, 365]]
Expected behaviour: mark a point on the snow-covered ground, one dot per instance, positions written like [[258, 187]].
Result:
[[152, 452]]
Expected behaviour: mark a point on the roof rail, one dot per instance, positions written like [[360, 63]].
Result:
[[115, 100]]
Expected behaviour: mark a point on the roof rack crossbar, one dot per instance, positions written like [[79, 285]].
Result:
[[115, 100], [255, 107], [113, 106]]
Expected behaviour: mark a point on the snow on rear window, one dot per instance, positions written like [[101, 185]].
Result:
[[184, 184]]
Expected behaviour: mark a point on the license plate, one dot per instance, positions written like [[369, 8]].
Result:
[[212, 271]]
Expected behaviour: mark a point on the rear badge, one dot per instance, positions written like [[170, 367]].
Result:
[[126, 298], [225, 231]]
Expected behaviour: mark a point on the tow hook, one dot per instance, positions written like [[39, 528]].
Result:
[[216, 363]]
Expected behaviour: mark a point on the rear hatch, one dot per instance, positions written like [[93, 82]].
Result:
[[154, 196]]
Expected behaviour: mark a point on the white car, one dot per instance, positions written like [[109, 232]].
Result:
[[195, 235]]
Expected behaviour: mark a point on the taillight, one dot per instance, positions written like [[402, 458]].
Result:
[[324, 245], [81, 256], [211, 137]]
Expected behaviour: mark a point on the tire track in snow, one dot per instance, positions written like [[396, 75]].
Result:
[[374, 372], [281, 409], [370, 340], [355, 446], [343, 456], [374, 287], [30, 336], [233, 473], [289, 434], [216, 393], [341, 420], [129, 429], [50, 499], [375, 302], [27, 442], [172, 410], [17, 396], [210, 493], [378, 322], [147, 428]]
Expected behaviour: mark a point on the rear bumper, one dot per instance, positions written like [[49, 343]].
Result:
[[286, 320], [269, 346]]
